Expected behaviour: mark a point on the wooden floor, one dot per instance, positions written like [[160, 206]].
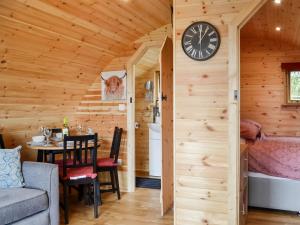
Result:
[[267, 217], [143, 208], [139, 208]]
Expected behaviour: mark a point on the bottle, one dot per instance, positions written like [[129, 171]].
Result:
[[65, 130]]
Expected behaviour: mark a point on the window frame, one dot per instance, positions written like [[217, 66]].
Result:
[[289, 68]]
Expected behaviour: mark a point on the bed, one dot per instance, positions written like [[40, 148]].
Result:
[[273, 192], [274, 172]]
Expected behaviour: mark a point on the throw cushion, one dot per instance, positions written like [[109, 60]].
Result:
[[249, 129], [10, 168]]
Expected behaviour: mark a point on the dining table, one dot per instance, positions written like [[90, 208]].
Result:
[[55, 147]]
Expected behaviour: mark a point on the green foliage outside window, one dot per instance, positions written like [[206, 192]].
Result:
[[295, 85]]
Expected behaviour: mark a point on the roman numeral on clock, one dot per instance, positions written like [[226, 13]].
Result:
[[211, 33], [193, 30], [189, 49], [188, 42], [193, 53], [211, 46], [200, 54]]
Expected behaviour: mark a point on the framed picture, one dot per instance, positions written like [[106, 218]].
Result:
[[113, 85]]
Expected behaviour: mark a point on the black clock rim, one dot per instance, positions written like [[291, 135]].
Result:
[[218, 46]]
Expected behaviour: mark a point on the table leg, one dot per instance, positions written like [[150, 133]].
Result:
[[52, 157], [40, 156]]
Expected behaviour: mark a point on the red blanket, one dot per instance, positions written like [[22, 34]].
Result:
[[276, 156]]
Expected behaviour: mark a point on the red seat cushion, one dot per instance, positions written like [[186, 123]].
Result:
[[60, 162], [78, 173], [106, 162]]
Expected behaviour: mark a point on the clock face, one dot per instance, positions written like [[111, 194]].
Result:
[[201, 41]]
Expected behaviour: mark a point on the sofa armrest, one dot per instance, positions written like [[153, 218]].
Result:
[[44, 176]]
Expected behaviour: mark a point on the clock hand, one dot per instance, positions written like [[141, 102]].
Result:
[[204, 34], [207, 28], [200, 39]]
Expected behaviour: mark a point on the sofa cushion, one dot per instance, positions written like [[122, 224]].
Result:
[[41, 218], [10, 168], [18, 203]]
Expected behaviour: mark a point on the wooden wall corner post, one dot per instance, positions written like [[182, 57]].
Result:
[[234, 107]]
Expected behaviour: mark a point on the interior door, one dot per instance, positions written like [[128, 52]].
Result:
[[167, 183]]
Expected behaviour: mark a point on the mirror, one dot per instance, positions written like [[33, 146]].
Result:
[[149, 90]]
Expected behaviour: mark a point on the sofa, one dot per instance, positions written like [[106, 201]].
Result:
[[37, 203]]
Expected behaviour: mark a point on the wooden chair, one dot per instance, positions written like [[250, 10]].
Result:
[[1, 142], [111, 164], [80, 169]]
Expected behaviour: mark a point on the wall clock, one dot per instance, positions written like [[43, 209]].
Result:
[[201, 41]]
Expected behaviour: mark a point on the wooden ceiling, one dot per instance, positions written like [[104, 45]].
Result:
[[285, 15], [61, 46], [148, 62], [106, 26], [51, 51]]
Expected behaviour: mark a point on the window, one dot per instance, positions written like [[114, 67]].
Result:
[[294, 78], [292, 83]]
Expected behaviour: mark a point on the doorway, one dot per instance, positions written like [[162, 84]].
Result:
[[157, 103], [148, 145], [265, 50]]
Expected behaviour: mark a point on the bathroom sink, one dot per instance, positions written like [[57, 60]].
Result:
[[155, 127], [155, 153]]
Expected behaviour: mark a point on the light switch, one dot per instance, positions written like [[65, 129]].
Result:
[[122, 107]]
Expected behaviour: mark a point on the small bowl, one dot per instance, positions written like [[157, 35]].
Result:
[[38, 139]]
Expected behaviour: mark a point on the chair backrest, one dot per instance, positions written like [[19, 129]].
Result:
[[116, 143], [83, 152], [1, 142], [113, 142], [56, 130]]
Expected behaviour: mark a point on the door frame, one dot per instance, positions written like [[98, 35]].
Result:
[[131, 110], [234, 107]]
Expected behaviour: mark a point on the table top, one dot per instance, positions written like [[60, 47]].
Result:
[[54, 146]]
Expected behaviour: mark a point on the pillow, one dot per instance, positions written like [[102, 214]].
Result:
[[10, 168], [249, 129]]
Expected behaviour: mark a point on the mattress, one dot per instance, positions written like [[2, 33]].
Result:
[[261, 175], [273, 192]]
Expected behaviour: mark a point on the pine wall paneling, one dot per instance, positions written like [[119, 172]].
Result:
[[263, 49], [101, 114], [263, 86], [52, 51], [201, 122]]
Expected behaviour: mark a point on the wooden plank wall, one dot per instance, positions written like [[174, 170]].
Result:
[[51, 51], [201, 120], [43, 75], [102, 116], [263, 85]]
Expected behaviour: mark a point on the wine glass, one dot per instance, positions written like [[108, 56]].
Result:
[[47, 133], [79, 128], [42, 128]]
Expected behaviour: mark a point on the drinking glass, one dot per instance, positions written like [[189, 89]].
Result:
[[42, 128], [47, 133], [79, 128]]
